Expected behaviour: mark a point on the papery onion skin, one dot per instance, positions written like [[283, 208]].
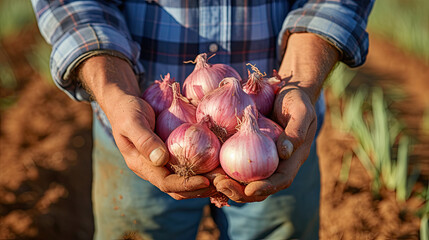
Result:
[[180, 111], [269, 127], [194, 149], [249, 155], [260, 91], [220, 200], [276, 82], [225, 106], [205, 78], [159, 95]]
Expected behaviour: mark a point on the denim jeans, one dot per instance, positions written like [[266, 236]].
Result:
[[125, 204]]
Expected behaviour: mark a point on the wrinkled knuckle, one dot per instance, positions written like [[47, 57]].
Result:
[[164, 188], [261, 199], [176, 197], [133, 166], [144, 141], [288, 183], [186, 185], [127, 123], [237, 198]]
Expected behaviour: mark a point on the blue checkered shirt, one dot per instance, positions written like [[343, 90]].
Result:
[[157, 36]]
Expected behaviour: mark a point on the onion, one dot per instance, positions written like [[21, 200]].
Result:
[[276, 82], [180, 111], [269, 127], [249, 155], [219, 200], [258, 88], [205, 78], [159, 95], [225, 106], [194, 149]]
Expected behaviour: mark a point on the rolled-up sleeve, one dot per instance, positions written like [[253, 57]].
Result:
[[342, 23], [77, 28]]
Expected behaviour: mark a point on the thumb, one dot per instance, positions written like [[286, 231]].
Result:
[[294, 134], [284, 146], [148, 144]]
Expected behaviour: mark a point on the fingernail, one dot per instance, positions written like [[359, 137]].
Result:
[[156, 156], [225, 191], [287, 148], [205, 184], [258, 193]]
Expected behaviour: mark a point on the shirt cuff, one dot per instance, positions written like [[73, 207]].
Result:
[[73, 49], [337, 24]]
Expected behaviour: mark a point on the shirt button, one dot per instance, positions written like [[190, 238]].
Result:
[[213, 47]]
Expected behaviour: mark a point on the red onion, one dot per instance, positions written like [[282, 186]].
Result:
[[276, 82], [269, 127], [219, 200], [194, 149], [180, 111], [225, 106], [205, 78], [159, 95], [259, 90], [249, 155]]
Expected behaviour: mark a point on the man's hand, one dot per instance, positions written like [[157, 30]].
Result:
[[113, 84], [307, 62], [294, 107]]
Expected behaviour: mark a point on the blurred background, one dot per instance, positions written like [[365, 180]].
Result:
[[374, 146]]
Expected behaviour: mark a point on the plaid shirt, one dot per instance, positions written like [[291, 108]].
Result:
[[157, 36]]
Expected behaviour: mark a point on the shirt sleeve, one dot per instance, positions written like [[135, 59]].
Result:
[[78, 29], [341, 22]]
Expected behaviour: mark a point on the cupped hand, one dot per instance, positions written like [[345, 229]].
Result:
[[114, 86], [293, 109], [307, 61]]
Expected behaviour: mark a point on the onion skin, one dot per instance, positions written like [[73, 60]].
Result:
[[225, 106], [249, 155], [269, 127], [262, 93], [159, 95], [220, 200], [180, 111], [205, 78], [194, 149], [276, 82]]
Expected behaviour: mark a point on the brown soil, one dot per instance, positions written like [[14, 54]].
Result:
[[45, 145]]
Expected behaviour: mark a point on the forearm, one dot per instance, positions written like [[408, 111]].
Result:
[[307, 62], [77, 28], [108, 77]]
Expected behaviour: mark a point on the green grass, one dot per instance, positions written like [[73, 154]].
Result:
[[425, 122], [38, 58], [7, 80], [14, 16], [404, 22], [424, 223], [382, 145]]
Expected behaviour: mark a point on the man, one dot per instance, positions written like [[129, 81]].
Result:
[[112, 50]]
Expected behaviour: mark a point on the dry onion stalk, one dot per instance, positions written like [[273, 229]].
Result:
[[258, 88], [159, 95], [205, 78], [225, 106], [193, 148], [180, 111]]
